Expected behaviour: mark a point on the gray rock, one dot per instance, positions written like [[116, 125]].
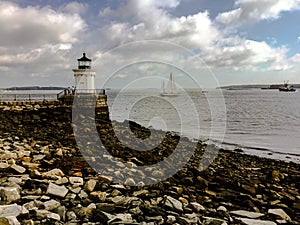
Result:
[[17, 168], [27, 222], [55, 190], [255, 222], [280, 213], [77, 181], [4, 165], [130, 182], [123, 218], [53, 216], [75, 190], [61, 211], [15, 180], [156, 219], [83, 194], [171, 219], [173, 203], [54, 174], [213, 221], [198, 207], [12, 210], [42, 214], [90, 185], [62, 180], [244, 213], [51, 204], [71, 216], [222, 208], [10, 220], [9, 194], [30, 205]]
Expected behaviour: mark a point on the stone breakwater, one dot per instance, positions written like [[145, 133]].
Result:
[[45, 180]]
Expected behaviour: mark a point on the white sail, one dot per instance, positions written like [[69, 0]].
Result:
[[170, 90]]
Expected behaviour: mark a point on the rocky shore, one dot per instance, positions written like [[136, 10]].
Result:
[[45, 179]]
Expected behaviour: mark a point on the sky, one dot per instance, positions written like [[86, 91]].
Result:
[[220, 42]]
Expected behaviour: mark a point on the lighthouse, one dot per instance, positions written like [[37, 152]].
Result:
[[84, 76]]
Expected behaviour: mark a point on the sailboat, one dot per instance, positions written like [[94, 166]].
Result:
[[170, 89]]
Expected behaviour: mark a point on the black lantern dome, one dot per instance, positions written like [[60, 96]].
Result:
[[84, 62]]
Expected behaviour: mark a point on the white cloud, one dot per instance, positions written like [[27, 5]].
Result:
[[219, 48], [36, 40], [256, 10], [75, 7], [153, 21], [33, 26]]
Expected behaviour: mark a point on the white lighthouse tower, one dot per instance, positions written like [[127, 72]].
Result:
[[84, 76]]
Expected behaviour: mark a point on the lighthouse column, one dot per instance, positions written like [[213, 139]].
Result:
[[84, 76]]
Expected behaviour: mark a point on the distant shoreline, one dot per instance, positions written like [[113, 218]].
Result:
[[26, 88], [255, 86]]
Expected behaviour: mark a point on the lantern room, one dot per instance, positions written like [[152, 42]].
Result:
[[84, 62]]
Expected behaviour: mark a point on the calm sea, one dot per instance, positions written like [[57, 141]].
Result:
[[260, 122]]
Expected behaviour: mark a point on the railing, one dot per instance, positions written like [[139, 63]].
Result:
[[26, 97], [71, 92]]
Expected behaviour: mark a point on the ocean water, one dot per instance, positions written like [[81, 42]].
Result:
[[260, 122]]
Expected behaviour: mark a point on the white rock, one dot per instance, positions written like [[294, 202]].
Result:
[[59, 191], [255, 222], [248, 214], [197, 206], [222, 208]]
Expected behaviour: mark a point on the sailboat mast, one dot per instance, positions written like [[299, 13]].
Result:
[[173, 84]]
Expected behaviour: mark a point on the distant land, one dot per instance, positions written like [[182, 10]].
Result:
[[255, 86], [33, 88]]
